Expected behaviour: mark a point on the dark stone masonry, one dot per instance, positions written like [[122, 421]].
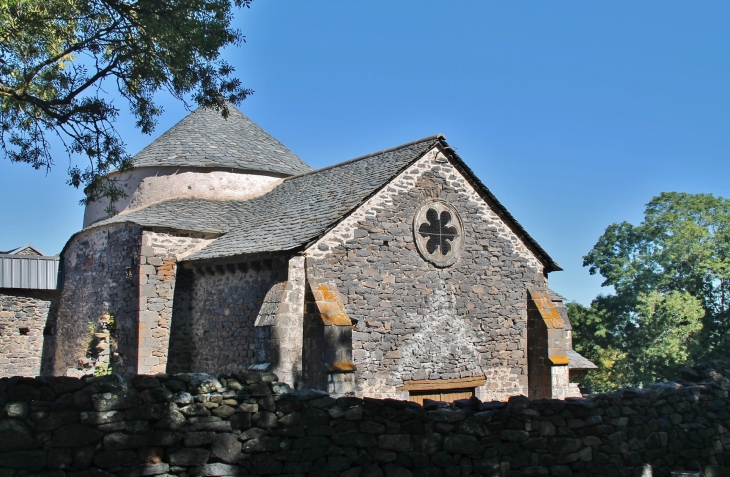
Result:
[[250, 424], [25, 316]]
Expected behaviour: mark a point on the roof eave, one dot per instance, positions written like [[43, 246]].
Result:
[[500, 209]]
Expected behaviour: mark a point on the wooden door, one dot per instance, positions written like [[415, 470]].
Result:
[[445, 395]]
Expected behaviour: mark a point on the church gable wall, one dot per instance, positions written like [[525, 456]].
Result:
[[226, 301], [98, 273], [414, 320]]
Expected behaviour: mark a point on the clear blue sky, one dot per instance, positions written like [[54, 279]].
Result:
[[575, 114]]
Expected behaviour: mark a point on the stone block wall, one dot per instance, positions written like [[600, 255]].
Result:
[[414, 320], [182, 343], [159, 255], [250, 424], [24, 315], [226, 300], [98, 272], [286, 345], [327, 337], [548, 374]]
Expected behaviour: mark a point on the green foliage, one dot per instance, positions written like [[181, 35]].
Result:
[[671, 275], [103, 369], [110, 325], [90, 336], [57, 56]]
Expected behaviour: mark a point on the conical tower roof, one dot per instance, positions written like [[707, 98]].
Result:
[[205, 139]]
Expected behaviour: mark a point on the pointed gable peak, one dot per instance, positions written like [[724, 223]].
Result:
[[205, 139]]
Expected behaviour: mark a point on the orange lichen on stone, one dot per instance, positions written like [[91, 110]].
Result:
[[559, 360], [342, 367], [547, 310], [167, 269], [330, 307]]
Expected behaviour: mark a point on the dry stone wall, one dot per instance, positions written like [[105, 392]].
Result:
[[24, 315], [250, 424], [417, 321]]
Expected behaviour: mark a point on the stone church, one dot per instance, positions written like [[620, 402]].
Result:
[[395, 274]]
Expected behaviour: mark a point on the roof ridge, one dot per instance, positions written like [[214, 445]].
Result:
[[365, 156]]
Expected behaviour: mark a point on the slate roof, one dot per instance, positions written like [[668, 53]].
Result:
[[205, 139], [301, 208], [555, 296], [291, 215], [577, 361]]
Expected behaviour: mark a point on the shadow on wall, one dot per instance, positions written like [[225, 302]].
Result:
[[49, 344], [199, 339], [327, 346], [182, 345]]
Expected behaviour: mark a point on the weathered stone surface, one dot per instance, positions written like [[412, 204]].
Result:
[[24, 460], [215, 426], [223, 411], [227, 448], [148, 412], [165, 438], [76, 435], [17, 409], [189, 457], [203, 383], [266, 444], [353, 438], [240, 421], [143, 470], [57, 419], [97, 418], [462, 445], [121, 441], [193, 439], [264, 420], [215, 470], [111, 401], [15, 435], [196, 409], [395, 442], [105, 459]]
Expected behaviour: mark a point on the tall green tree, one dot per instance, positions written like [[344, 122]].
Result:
[[671, 277], [60, 59]]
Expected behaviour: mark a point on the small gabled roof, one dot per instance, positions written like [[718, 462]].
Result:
[[27, 248], [303, 207], [205, 139]]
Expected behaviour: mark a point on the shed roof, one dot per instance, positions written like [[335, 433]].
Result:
[[303, 207], [205, 139], [577, 361]]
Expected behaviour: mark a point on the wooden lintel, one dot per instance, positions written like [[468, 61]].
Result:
[[431, 384]]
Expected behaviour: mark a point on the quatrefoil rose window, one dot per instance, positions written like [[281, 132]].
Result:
[[438, 232]]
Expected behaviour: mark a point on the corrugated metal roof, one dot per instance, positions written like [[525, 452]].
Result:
[[27, 271]]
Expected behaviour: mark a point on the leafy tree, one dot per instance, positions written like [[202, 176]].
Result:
[[671, 276], [57, 56]]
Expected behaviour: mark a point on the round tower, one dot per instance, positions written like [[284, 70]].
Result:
[[203, 156]]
